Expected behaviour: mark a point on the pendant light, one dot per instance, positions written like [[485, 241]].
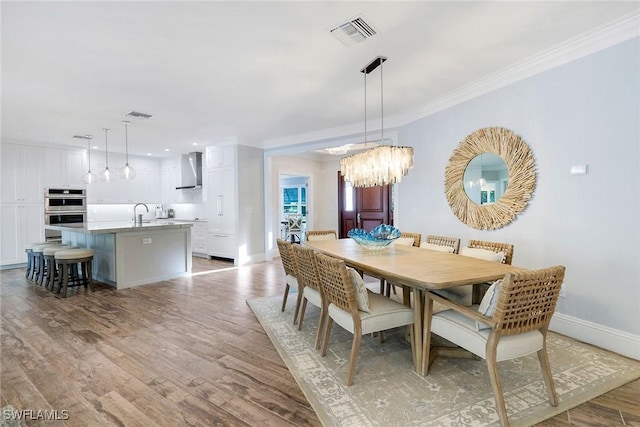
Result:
[[384, 164], [89, 177], [106, 175], [126, 171]]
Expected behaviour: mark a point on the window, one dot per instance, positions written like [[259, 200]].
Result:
[[294, 200]]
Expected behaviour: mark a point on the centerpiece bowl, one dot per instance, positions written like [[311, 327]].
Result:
[[377, 239]]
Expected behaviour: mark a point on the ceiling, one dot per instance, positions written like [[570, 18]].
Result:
[[259, 73]]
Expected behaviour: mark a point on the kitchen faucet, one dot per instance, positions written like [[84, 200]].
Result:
[[139, 217]]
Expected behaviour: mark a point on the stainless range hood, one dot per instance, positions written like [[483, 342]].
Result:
[[190, 171]]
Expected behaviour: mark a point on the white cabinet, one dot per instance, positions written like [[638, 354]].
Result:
[[222, 245], [63, 168], [199, 238], [145, 187], [221, 199], [220, 156], [19, 225], [21, 174]]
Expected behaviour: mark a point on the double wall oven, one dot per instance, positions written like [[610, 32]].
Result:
[[64, 206]]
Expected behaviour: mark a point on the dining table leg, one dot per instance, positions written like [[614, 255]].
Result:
[[417, 329]]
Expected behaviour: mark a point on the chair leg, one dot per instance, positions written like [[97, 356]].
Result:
[[496, 384], [302, 310], [286, 294], [298, 302], [327, 333], [90, 275], [382, 286], [355, 350], [381, 336], [426, 337], [546, 374], [64, 272], [324, 312]]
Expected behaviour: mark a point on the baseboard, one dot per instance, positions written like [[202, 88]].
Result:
[[251, 259], [611, 339]]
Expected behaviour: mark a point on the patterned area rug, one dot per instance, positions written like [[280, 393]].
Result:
[[457, 392]]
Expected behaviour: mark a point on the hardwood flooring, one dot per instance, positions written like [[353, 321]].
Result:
[[187, 351]]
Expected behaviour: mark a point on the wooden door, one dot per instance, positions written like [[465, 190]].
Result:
[[362, 207]]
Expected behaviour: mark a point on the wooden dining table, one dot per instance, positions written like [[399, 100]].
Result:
[[418, 269]]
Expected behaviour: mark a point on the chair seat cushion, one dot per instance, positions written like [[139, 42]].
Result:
[[434, 247], [461, 330], [49, 251], [483, 254], [404, 241], [463, 295], [292, 281], [40, 248], [312, 296], [328, 236], [71, 254], [385, 314]]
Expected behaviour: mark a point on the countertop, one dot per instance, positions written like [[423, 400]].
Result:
[[102, 227]]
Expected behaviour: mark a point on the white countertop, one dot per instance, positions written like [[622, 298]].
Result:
[[101, 227]]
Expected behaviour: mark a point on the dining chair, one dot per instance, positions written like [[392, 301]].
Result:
[[511, 322], [377, 314], [291, 271], [294, 228], [407, 239], [310, 285], [451, 244], [490, 251], [312, 235]]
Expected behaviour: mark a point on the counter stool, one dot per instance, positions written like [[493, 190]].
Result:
[[67, 262], [37, 276], [51, 272], [28, 250]]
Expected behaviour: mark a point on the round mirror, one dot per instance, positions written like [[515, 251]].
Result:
[[486, 178], [515, 186]]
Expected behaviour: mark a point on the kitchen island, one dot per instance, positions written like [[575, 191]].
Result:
[[126, 254]]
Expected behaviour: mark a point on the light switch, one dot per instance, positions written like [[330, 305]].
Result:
[[146, 241], [579, 170]]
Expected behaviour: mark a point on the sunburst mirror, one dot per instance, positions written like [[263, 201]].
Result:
[[490, 178]]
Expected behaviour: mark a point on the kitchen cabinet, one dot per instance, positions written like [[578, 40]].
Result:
[[63, 168], [19, 225], [218, 156], [221, 199], [21, 174], [222, 245], [199, 233]]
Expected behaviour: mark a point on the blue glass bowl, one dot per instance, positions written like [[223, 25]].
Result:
[[377, 239]]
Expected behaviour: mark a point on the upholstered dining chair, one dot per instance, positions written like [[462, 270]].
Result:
[[511, 322], [407, 239], [490, 251], [441, 243], [310, 284], [291, 271], [368, 313], [312, 235]]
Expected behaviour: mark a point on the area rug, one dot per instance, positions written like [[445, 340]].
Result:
[[457, 392]]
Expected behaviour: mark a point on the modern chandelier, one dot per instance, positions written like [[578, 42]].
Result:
[[384, 164], [126, 172]]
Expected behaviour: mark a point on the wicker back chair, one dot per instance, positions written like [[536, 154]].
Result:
[[338, 289], [312, 235], [452, 242], [291, 272], [496, 247], [517, 327], [310, 284], [417, 237]]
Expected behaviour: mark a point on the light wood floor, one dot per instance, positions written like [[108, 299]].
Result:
[[181, 352]]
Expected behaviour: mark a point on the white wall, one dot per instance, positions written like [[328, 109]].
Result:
[[584, 112]]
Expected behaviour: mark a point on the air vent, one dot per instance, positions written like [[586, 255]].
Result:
[[138, 115], [83, 136], [353, 31]]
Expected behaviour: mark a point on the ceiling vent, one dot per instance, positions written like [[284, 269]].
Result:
[[137, 115], [354, 31]]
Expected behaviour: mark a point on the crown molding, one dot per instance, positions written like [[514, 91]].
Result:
[[618, 31]]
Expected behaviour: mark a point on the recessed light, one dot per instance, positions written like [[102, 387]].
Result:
[[149, 154], [166, 149], [95, 147], [195, 143]]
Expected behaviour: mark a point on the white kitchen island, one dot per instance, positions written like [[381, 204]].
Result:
[[127, 255]]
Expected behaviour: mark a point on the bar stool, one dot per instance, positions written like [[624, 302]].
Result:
[[37, 276], [28, 250], [51, 272], [67, 262]]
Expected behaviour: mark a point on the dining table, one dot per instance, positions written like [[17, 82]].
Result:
[[418, 269]]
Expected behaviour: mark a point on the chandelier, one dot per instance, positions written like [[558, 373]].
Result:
[[384, 164]]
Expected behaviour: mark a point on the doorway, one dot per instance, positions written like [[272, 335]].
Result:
[[293, 197], [362, 207]]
